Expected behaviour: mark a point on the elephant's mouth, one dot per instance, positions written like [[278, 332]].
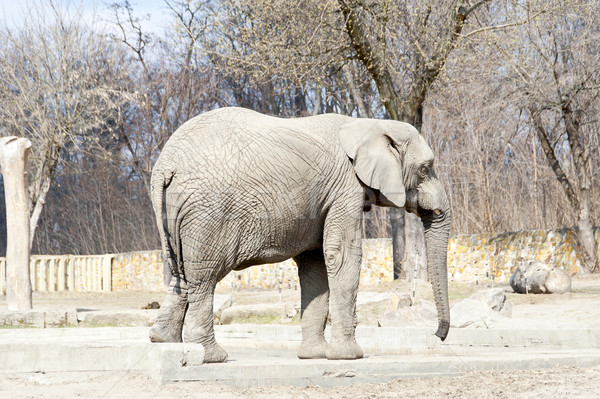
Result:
[[375, 197], [423, 204], [422, 213], [412, 203]]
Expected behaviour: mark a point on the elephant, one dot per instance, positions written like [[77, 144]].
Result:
[[233, 188]]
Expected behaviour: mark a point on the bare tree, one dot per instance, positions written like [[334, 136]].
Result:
[[54, 89], [404, 47], [553, 64], [174, 82]]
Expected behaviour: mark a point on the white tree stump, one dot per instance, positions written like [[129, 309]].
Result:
[[13, 157]]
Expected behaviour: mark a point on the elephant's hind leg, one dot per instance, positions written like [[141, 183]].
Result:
[[314, 291], [169, 323], [199, 328]]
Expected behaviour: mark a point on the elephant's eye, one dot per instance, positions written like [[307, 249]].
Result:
[[394, 150], [424, 171]]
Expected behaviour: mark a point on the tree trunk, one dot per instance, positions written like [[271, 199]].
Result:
[[43, 180], [409, 109], [415, 252], [13, 157], [586, 233], [579, 200], [397, 219]]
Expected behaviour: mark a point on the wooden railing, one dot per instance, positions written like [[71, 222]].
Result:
[[50, 273]]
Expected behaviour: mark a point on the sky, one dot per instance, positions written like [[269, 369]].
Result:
[[13, 11]]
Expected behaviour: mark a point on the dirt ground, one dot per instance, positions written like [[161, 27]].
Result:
[[579, 308], [565, 382]]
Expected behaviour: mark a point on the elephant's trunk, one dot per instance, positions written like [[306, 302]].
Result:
[[437, 229]]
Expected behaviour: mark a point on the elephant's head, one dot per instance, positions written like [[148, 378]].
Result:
[[393, 160]]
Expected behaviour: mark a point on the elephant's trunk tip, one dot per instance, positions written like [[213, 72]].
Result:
[[443, 329]]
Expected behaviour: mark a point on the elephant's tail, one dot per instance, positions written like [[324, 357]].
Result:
[[159, 184]]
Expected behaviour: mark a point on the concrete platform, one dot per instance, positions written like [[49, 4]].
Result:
[[263, 355]]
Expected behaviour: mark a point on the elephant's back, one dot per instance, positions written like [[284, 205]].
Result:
[[234, 138]]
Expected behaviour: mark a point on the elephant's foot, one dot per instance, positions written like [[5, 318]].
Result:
[[214, 354], [312, 349], [162, 333], [346, 349]]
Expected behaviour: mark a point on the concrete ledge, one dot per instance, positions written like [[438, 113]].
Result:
[[39, 319], [263, 355], [394, 340], [93, 357]]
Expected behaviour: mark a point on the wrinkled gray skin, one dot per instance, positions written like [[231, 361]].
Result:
[[233, 188]]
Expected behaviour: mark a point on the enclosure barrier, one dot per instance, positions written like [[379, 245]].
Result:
[[53, 273], [479, 258]]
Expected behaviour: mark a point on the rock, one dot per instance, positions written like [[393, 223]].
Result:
[[494, 297], [122, 318], [473, 313], [391, 300], [507, 309], [60, 318], [426, 310], [39, 318], [367, 298], [220, 303], [540, 278], [259, 313], [558, 281], [369, 305], [404, 299], [530, 278], [422, 314]]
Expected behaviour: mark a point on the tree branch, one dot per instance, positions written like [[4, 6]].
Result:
[[551, 156], [488, 28], [366, 54]]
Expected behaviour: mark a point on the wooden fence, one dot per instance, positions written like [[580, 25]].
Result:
[[51, 273]]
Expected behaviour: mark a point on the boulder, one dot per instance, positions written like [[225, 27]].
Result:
[[507, 309], [39, 318], [258, 313], [494, 297], [422, 314], [369, 305], [404, 300], [539, 278], [474, 314], [558, 281], [121, 318], [220, 303], [368, 298], [530, 278]]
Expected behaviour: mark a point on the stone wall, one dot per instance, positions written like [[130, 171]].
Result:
[[376, 267], [471, 258], [137, 271], [485, 257]]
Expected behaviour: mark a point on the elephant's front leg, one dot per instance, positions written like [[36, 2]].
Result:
[[202, 279], [343, 253], [169, 323], [314, 291]]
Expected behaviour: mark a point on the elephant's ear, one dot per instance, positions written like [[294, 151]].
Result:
[[377, 149]]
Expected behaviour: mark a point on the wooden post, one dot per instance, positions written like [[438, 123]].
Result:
[[107, 273], [13, 157], [61, 274]]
